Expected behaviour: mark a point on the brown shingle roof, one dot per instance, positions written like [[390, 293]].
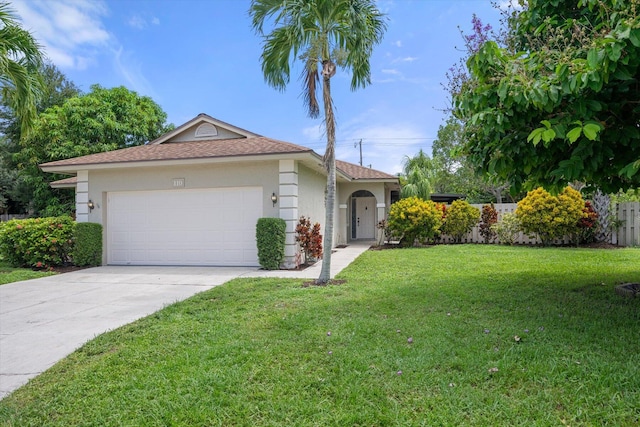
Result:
[[187, 150], [64, 183], [360, 172]]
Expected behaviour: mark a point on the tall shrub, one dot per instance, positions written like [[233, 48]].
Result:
[[460, 219], [413, 218], [309, 238], [270, 238], [507, 229], [488, 217], [87, 244], [550, 217], [37, 242], [587, 225]]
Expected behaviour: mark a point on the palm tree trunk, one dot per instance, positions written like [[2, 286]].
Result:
[[330, 164]]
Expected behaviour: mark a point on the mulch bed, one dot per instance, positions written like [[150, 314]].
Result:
[[61, 268]]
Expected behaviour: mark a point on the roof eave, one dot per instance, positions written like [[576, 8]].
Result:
[[72, 169], [68, 185], [392, 180]]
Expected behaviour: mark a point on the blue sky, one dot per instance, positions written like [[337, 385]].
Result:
[[201, 56]]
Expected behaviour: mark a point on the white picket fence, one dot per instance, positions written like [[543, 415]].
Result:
[[627, 235]]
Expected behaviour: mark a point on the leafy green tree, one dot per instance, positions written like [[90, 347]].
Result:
[[455, 173], [322, 34], [101, 120], [57, 88], [20, 62], [559, 103]]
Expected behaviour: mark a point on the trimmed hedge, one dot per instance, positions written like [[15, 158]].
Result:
[[87, 248], [270, 238], [37, 242]]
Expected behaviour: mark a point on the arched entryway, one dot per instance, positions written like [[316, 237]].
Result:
[[362, 215]]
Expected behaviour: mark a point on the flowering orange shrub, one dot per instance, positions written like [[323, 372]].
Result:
[[551, 217], [413, 218]]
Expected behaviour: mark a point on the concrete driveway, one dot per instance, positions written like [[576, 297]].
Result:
[[43, 320]]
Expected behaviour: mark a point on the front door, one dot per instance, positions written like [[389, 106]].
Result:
[[365, 217]]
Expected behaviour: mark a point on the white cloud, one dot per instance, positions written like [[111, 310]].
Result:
[[69, 30], [385, 6], [510, 4], [74, 36], [140, 23], [405, 59], [391, 71], [137, 22], [385, 141], [131, 70], [398, 43], [313, 133]]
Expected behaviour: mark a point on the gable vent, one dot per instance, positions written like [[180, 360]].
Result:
[[206, 130]]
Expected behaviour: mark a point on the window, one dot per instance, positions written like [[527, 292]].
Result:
[[206, 130]]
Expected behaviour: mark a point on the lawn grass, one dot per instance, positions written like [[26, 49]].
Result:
[[268, 352], [10, 274]]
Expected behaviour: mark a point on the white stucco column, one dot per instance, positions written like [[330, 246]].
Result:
[[288, 204], [382, 214], [82, 196], [343, 222]]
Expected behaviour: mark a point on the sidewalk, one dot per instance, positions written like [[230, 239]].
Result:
[[340, 259]]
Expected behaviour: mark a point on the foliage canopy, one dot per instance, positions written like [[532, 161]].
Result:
[[101, 120], [559, 103], [20, 62]]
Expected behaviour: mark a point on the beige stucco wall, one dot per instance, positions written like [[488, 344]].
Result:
[[189, 135], [260, 174], [311, 184], [380, 192], [311, 195]]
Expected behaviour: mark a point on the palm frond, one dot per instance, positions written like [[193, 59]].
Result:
[[309, 91], [20, 62]]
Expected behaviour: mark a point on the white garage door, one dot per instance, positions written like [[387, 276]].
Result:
[[184, 227]]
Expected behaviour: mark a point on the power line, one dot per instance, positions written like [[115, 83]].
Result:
[[379, 143]]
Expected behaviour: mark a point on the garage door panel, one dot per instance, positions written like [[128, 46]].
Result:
[[185, 227]]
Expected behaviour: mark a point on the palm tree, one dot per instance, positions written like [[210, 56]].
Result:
[[322, 34], [419, 172], [20, 62]]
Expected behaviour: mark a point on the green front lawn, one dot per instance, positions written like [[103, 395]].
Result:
[[448, 335], [9, 274]]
